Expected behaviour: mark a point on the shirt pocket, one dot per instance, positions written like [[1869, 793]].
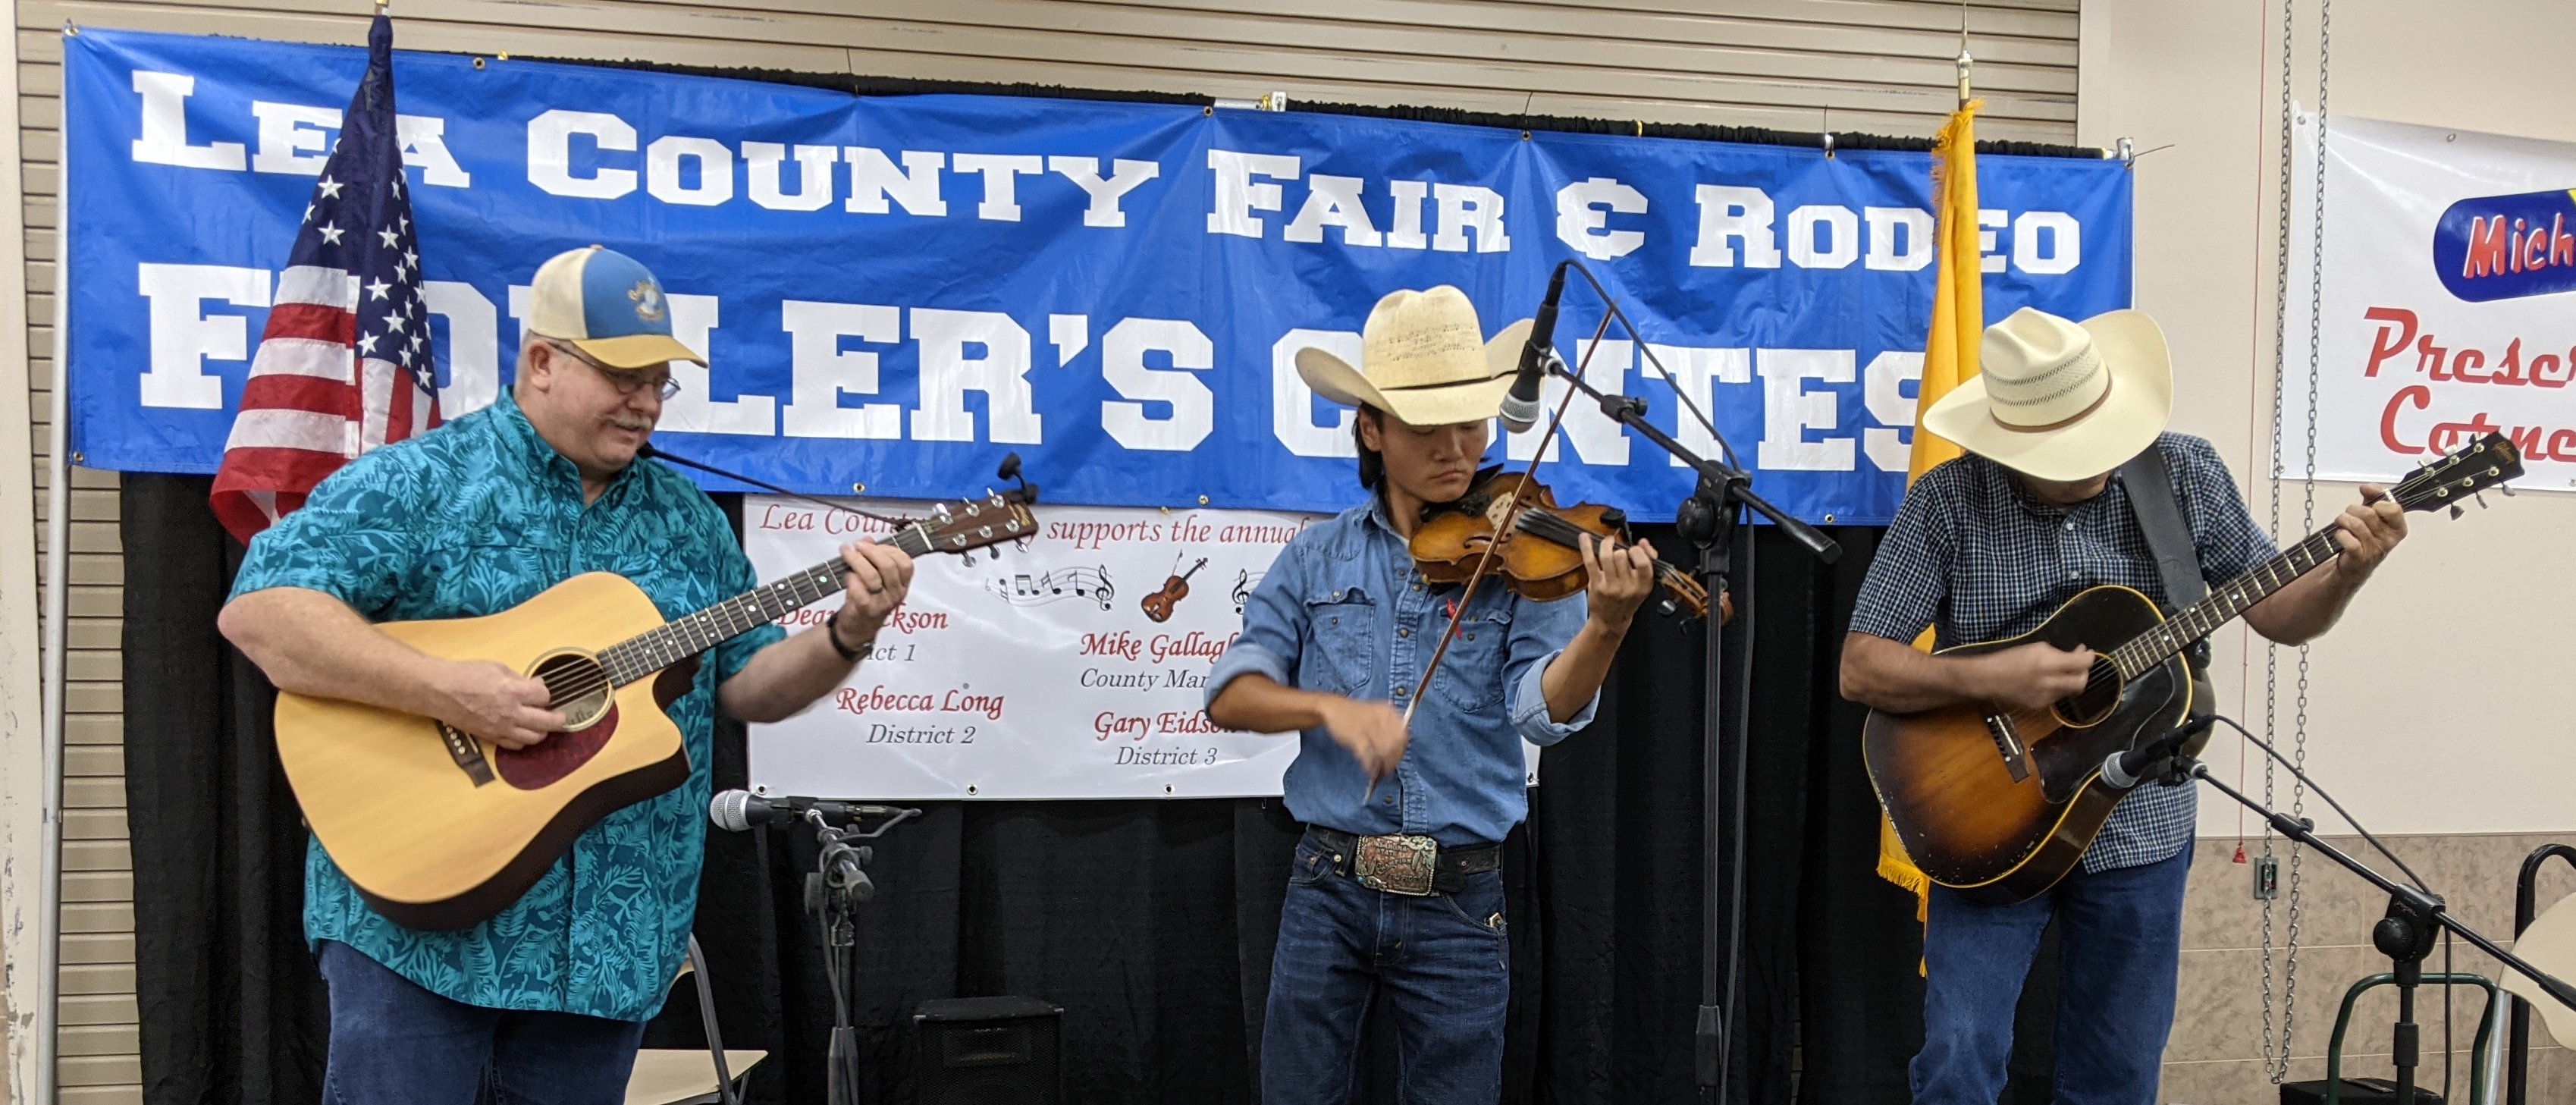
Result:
[[493, 571], [1471, 676], [1342, 626]]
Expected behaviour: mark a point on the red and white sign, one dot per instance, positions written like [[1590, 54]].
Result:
[[2440, 315], [1068, 668]]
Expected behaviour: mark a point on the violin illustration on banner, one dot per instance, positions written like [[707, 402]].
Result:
[[1023, 589], [1158, 606]]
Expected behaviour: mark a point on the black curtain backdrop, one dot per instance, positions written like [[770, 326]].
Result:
[[1151, 923]]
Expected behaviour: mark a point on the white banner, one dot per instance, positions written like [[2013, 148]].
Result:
[[2445, 308], [1071, 667]]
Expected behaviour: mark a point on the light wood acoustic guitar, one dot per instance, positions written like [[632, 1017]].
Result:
[[2000, 804], [440, 829]]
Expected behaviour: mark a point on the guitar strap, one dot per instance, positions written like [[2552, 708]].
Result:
[[2151, 499]]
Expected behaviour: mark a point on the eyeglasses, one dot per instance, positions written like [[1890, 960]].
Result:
[[626, 382]]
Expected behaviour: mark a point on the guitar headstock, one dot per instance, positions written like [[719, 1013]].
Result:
[[2483, 463], [969, 524]]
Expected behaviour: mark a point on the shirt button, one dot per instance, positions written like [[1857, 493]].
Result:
[[2071, 575], [1404, 633], [2070, 527]]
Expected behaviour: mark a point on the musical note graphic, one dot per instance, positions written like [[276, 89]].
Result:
[[1056, 585], [1245, 579]]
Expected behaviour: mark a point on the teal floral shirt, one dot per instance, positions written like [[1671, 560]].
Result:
[[471, 519]]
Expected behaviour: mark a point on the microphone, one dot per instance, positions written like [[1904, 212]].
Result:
[[2128, 769], [737, 810], [1521, 408]]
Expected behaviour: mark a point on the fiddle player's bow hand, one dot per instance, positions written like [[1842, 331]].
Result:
[[1622, 579], [1372, 732]]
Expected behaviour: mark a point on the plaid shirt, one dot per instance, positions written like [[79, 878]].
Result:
[[1975, 556]]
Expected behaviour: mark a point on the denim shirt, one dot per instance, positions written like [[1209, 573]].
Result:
[[472, 519], [1342, 611]]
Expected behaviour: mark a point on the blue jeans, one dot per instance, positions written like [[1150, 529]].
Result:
[[2119, 945], [1442, 963], [394, 1043]]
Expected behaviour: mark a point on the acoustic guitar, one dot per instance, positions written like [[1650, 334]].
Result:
[[441, 829], [2000, 804]]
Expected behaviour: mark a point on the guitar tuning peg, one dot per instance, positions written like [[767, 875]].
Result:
[[2482, 501], [2506, 489], [2456, 511]]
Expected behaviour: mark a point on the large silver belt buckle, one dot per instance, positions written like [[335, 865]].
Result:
[[1396, 864]]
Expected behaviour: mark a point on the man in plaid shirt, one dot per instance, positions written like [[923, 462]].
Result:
[[1985, 547]]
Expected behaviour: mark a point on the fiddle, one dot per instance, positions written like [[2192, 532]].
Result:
[[1539, 557], [1158, 605]]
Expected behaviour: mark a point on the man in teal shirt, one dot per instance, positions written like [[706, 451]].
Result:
[[546, 1001]]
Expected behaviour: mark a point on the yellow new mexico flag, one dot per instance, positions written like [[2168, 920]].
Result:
[[1949, 356]]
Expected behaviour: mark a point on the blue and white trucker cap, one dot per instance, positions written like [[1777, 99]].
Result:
[[607, 305]]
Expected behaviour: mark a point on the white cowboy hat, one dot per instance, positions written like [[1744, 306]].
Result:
[[1424, 360], [2549, 944], [2058, 400]]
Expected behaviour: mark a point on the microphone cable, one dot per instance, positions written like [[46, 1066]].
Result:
[[647, 450], [1612, 304], [2349, 819]]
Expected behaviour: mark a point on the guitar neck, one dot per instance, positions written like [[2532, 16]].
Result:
[[2143, 652], [640, 656]]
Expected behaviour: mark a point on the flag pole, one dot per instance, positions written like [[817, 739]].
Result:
[[46, 1016]]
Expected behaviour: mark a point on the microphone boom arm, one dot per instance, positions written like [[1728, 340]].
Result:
[[1631, 412]]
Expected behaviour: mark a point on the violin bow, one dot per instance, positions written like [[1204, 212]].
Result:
[[1502, 530]]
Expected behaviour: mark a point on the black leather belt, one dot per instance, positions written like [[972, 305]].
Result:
[[1410, 865]]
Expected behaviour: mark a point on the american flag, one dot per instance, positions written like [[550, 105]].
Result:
[[344, 365]]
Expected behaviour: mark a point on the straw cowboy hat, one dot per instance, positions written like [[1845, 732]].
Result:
[[1424, 360], [2058, 400]]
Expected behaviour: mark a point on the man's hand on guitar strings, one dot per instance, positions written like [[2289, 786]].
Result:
[[2033, 676], [496, 703], [874, 585], [2369, 529]]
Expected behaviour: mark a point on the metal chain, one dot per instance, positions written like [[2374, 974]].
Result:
[[2308, 522], [2276, 1056], [2277, 1053]]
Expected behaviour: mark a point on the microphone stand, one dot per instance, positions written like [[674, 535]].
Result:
[[1709, 520], [833, 890], [2405, 935]]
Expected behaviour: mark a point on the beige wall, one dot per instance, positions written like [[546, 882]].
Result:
[[2436, 705], [2439, 708]]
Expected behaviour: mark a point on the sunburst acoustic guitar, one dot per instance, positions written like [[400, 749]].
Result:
[[2000, 804], [440, 829]]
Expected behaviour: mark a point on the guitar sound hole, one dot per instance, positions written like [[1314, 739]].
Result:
[[578, 685], [2100, 696]]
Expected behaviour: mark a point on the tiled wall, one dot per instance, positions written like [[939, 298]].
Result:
[[2215, 1057]]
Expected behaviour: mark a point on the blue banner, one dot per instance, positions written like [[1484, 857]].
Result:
[[892, 292]]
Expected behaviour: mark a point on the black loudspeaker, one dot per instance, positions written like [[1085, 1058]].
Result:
[[2356, 1091], [988, 1051]]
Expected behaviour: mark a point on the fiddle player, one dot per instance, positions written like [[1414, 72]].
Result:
[[1396, 892]]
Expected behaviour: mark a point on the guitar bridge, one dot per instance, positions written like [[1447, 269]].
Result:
[[467, 753], [2008, 745]]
